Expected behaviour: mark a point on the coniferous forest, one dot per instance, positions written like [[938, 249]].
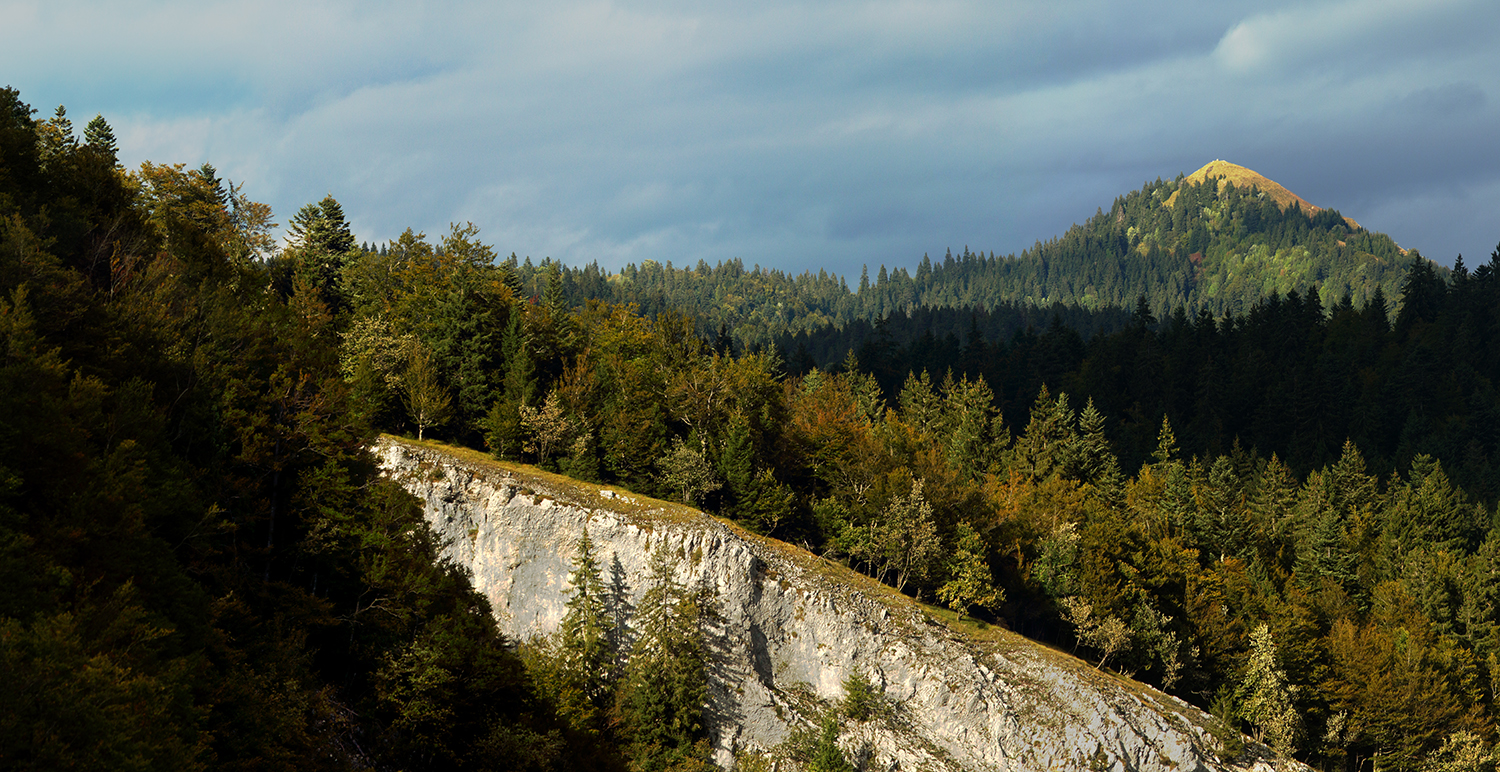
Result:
[[1200, 244], [1281, 509]]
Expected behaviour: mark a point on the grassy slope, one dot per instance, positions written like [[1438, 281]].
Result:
[[1239, 176]]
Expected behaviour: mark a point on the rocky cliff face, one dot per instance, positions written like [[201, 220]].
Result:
[[794, 626]]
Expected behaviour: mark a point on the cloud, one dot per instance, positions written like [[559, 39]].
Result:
[[1446, 101], [1345, 36], [794, 135]]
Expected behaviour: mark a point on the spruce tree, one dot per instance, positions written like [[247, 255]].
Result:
[[1047, 446], [584, 646], [1221, 514], [970, 427], [921, 407], [666, 683], [827, 756], [99, 136], [737, 463], [503, 432], [1096, 461]]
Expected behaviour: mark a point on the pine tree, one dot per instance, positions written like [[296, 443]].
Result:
[[865, 388], [921, 407], [54, 139], [1096, 461], [1221, 519], [1271, 505], [1166, 444], [737, 463], [1047, 446], [321, 248], [863, 700], [1421, 295], [755, 498], [973, 437], [503, 433]]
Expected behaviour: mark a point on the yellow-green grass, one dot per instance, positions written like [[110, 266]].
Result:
[[556, 486], [1241, 177]]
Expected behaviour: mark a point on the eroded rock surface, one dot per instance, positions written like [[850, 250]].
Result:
[[794, 626]]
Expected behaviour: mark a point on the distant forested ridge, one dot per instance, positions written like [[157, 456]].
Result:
[[1214, 240]]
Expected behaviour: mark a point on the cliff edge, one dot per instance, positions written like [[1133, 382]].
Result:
[[793, 626]]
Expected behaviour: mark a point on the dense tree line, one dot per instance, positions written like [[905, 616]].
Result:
[[199, 566], [1216, 247], [936, 339], [1287, 377]]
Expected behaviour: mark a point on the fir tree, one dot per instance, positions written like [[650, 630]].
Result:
[[503, 431]]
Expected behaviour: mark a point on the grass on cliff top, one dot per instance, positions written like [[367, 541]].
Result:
[[559, 487], [645, 510]]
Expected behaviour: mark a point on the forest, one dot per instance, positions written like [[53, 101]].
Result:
[[1283, 512], [1288, 377], [1199, 245]]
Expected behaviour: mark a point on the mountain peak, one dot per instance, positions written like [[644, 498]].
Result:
[[1240, 176]]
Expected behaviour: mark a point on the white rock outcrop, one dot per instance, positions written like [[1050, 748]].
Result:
[[794, 626]]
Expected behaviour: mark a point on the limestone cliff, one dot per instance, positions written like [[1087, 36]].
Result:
[[795, 625]]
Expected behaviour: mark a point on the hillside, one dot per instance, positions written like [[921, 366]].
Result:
[[1226, 173], [792, 627], [1217, 240]]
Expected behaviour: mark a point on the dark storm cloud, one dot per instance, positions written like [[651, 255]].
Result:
[[798, 136]]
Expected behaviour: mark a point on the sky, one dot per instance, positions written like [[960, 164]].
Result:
[[797, 136]]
